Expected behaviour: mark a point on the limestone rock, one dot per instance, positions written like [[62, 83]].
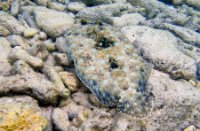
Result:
[[61, 123], [61, 44], [62, 59], [18, 53], [5, 66], [17, 40], [21, 113], [102, 13], [30, 32], [47, 113], [55, 78], [82, 99], [124, 123], [41, 2], [176, 104], [190, 128], [160, 48], [99, 120], [27, 81], [60, 23], [73, 118], [56, 6], [70, 80], [10, 23], [50, 45], [5, 5], [185, 34], [194, 3], [4, 31], [96, 2], [15, 7], [128, 19], [75, 6], [161, 11]]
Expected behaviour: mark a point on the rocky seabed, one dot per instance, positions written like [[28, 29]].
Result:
[[99, 65]]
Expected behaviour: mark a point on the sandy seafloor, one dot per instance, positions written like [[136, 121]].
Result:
[[41, 88]]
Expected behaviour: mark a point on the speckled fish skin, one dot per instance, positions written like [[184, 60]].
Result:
[[108, 64]]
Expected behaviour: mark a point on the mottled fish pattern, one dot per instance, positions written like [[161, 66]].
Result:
[[109, 65]]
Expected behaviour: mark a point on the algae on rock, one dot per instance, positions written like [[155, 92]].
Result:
[[20, 113]]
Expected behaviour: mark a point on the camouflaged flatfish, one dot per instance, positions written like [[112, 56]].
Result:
[[108, 64]]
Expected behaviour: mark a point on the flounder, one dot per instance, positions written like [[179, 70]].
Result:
[[110, 66]]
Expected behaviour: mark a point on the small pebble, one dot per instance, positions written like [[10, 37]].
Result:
[[50, 45], [70, 80], [176, 2], [56, 6], [42, 35], [190, 128], [59, 119], [62, 59], [30, 32], [17, 40], [75, 6], [83, 115], [64, 102], [35, 38], [192, 82], [15, 6], [4, 31], [198, 85], [63, 1], [59, 68], [42, 2]]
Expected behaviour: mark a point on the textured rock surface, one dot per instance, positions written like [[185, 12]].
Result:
[[168, 106], [194, 3], [4, 52], [53, 27], [41, 2], [5, 5], [160, 48], [185, 34], [75, 116], [56, 6], [99, 120], [21, 113], [61, 44], [111, 68], [29, 82], [156, 8], [128, 19], [176, 102], [75, 6], [17, 40], [15, 7], [36, 60], [96, 2], [102, 13], [19, 54], [62, 123], [4, 31], [70, 80], [30, 32], [10, 23]]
